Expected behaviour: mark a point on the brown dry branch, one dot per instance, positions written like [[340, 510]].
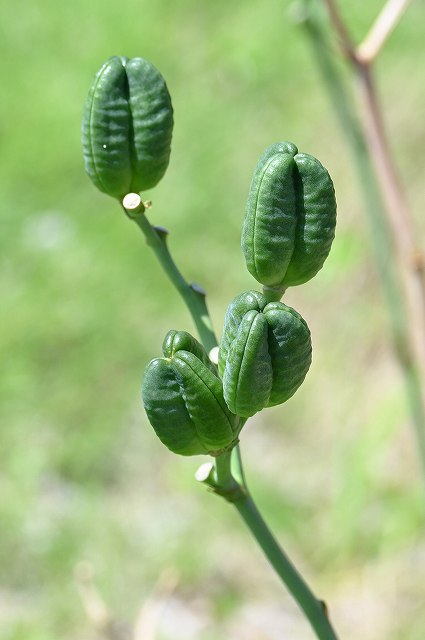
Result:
[[409, 257], [381, 29]]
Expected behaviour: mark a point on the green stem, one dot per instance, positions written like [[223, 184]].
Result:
[[223, 483], [342, 102], [222, 480], [314, 609], [193, 296], [273, 294], [237, 466]]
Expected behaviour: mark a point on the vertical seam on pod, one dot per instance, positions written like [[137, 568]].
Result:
[[131, 134], [90, 126], [179, 382], [243, 357], [210, 390], [256, 203]]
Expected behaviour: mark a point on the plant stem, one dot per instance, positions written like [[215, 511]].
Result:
[[411, 261], [383, 244], [314, 609], [193, 295], [381, 29], [222, 482], [273, 294], [237, 466]]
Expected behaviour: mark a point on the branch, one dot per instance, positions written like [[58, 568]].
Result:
[[366, 52], [410, 256], [193, 295], [344, 37], [403, 325], [220, 480], [380, 31]]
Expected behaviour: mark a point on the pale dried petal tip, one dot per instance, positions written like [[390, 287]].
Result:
[[213, 355], [204, 471]]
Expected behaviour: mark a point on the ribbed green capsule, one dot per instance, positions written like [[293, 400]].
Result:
[[127, 127], [290, 217], [265, 353], [183, 399]]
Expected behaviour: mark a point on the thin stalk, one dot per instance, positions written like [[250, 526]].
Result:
[[410, 257], [411, 261], [221, 480], [237, 466], [381, 29], [225, 483], [193, 295], [315, 610], [342, 102]]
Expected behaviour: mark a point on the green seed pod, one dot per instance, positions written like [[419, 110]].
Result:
[[290, 217], [127, 127], [265, 353], [183, 398]]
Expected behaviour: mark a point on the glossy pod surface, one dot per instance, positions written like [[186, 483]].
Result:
[[127, 127], [265, 353], [290, 217], [183, 399]]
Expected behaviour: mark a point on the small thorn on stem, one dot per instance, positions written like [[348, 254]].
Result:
[[324, 607], [162, 232], [197, 287]]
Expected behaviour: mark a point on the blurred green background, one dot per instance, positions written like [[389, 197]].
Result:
[[85, 486]]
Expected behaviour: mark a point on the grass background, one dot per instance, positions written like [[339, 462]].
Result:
[[84, 483]]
